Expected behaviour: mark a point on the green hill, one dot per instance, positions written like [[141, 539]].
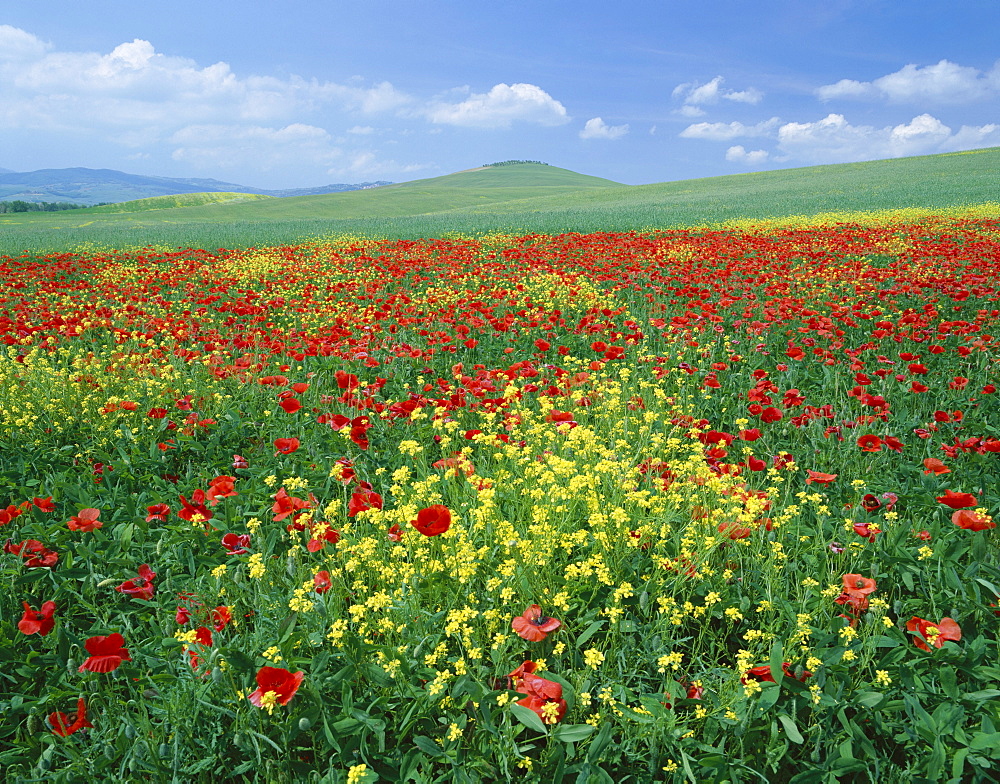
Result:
[[526, 197], [171, 202]]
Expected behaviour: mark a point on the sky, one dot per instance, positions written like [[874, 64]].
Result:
[[306, 93]]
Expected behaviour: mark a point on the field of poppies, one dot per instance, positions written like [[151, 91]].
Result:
[[707, 505]]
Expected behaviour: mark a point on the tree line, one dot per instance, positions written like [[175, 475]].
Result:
[[19, 205]]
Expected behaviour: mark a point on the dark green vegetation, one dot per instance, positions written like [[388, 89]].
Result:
[[522, 198]]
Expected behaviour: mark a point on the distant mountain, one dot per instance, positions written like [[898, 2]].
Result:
[[97, 186]]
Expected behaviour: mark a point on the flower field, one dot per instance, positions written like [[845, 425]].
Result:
[[707, 504]]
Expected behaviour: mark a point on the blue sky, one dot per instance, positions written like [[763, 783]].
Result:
[[297, 94]]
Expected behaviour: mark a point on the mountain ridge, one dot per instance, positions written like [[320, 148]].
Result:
[[81, 185]]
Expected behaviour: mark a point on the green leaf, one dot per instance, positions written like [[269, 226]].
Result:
[[983, 741], [428, 746], [790, 729], [949, 681], [768, 696], [589, 632], [869, 699], [571, 733], [528, 718], [599, 744]]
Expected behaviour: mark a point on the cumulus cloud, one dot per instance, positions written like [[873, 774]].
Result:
[[943, 83], [725, 131], [696, 95], [596, 128], [739, 154], [503, 105], [834, 140]]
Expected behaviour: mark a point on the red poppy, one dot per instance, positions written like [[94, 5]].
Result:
[[142, 586], [870, 443], [936, 634], [221, 487], [39, 621], [533, 626], [33, 551], [541, 693], [236, 544], [285, 504], [867, 530], [957, 500], [433, 520], [65, 725], [321, 582], [275, 686], [106, 653], [221, 617], [972, 521], [85, 520], [819, 478], [362, 501], [762, 674], [157, 512], [290, 405], [286, 445], [856, 585], [239, 462], [395, 533], [44, 504], [196, 506]]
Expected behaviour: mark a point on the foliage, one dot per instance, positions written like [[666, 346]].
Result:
[[708, 504]]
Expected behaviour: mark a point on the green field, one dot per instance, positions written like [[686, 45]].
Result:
[[519, 198]]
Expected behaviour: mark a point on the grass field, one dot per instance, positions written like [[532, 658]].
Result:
[[700, 505], [522, 199]]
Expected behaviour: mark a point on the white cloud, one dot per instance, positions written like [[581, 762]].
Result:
[[724, 131], [596, 128], [943, 83], [696, 95], [501, 106], [834, 140], [16, 45], [234, 146], [739, 154]]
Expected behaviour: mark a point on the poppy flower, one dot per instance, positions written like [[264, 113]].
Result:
[[196, 506], [221, 487], [867, 530], [956, 500], [142, 586], [290, 405], [221, 617], [33, 552], [86, 520], [236, 544], [65, 725], [542, 696], [106, 653], [44, 504], [286, 445], [856, 585], [275, 686], [533, 626], [971, 520], [870, 443], [239, 462], [819, 477], [934, 466], [321, 582], [936, 634], [157, 512], [285, 504], [433, 520], [395, 533], [362, 501], [39, 621]]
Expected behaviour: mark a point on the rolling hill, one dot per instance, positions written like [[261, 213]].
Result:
[[95, 186], [527, 197]]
